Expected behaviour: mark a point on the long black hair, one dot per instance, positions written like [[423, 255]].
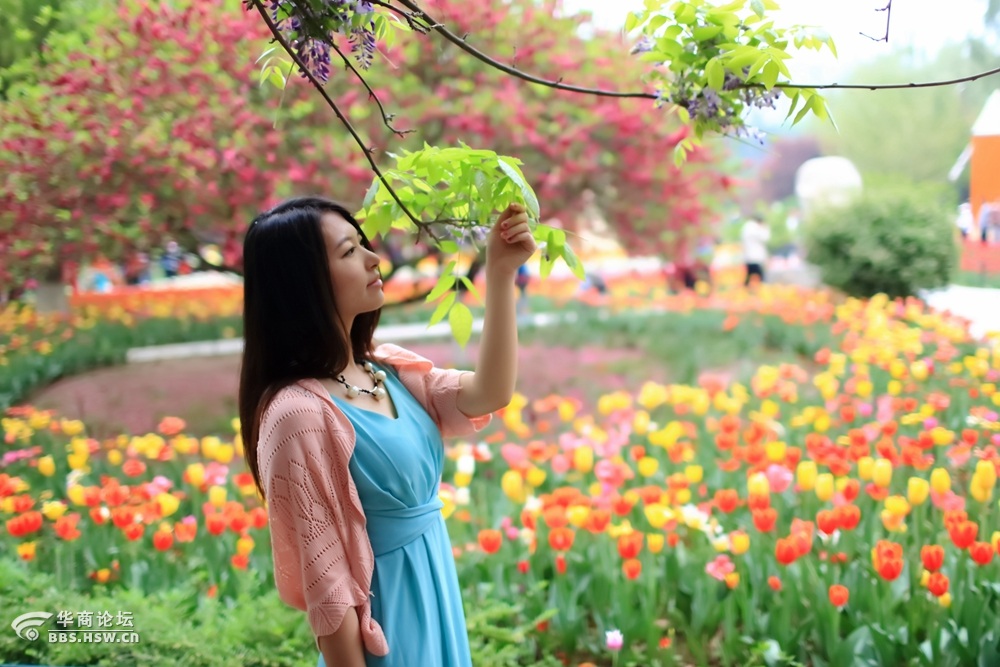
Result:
[[291, 326]]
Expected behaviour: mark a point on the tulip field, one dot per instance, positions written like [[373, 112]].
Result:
[[835, 505]]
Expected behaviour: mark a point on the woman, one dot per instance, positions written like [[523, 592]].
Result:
[[343, 438]]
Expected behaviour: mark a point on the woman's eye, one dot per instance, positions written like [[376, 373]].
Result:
[[349, 252]]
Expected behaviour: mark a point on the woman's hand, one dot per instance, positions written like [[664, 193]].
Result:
[[510, 243]]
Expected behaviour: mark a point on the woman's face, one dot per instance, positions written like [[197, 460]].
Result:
[[357, 285]]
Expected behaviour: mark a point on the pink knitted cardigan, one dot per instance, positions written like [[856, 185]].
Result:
[[323, 561]]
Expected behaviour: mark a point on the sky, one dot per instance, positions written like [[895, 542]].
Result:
[[923, 24]]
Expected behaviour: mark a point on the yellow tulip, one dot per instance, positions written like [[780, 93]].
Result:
[[75, 493], [115, 457], [866, 465], [53, 509], [986, 471], [463, 478], [945, 600], [981, 493], [583, 459], [513, 486], [940, 480], [244, 545], [776, 451], [882, 473], [894, 387], [925, 576], [578, 515], [47, 466], [168, 502], [897, 505], [805, 475], [758, 485], [640, 423], [26, 550], [917, 489], [196, 474], [824, 486], [654, 542], [566, 411], [535, 476], [657, 515], [217, 495], [694, 474], [682, 496], [648, 466], [740, 542]]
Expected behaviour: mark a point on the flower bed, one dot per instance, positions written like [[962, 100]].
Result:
[[835, 512]]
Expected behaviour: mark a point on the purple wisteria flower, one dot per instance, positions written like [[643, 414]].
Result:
[[311, 32]]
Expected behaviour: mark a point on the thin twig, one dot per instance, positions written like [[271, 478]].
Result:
[[558, 84], [411, 20], [333, 105], [386, 117], [888, 18]]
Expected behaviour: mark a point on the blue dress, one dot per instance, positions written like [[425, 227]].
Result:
[[396, 467]]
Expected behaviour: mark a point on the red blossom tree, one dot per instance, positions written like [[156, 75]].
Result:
[[158, 128]]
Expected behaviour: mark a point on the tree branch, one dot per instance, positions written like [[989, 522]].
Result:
[[387, 118], [461, 43], [340, 115], [411, 20], [888, 18]]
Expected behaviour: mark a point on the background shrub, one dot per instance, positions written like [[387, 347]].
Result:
[[888, 241]]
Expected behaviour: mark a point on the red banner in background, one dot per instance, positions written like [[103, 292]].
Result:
[[979, 257]]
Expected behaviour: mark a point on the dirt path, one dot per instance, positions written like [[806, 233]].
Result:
[[134, 398]]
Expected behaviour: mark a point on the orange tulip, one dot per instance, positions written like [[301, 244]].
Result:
[[561, 539], [981, 552], [598, 520], [630, 545], [727, 500], [932, 556], [963, 534], [163, 540], [764, 519], [774, 582], [848, 516], [839, 595], [561, 564], [786, 551], [632, 568], [490, 540], [828, 521], [215, 523], [937, 584]]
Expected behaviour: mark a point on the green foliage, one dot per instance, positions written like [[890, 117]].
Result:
[[182, 626], [727, 49], [455, 194], [27, 27], [177, 627], [887, 242]]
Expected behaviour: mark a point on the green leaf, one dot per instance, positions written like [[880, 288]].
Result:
[[442, 309], [444, 284], [706, 32], [715, 74], [370, 195], [769, 76], [574, 263], [758, 7], [460, 320], [472, 288], [631, 21], [514, 173]]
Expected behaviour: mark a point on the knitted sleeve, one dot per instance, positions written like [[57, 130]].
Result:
[[308, 513]]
